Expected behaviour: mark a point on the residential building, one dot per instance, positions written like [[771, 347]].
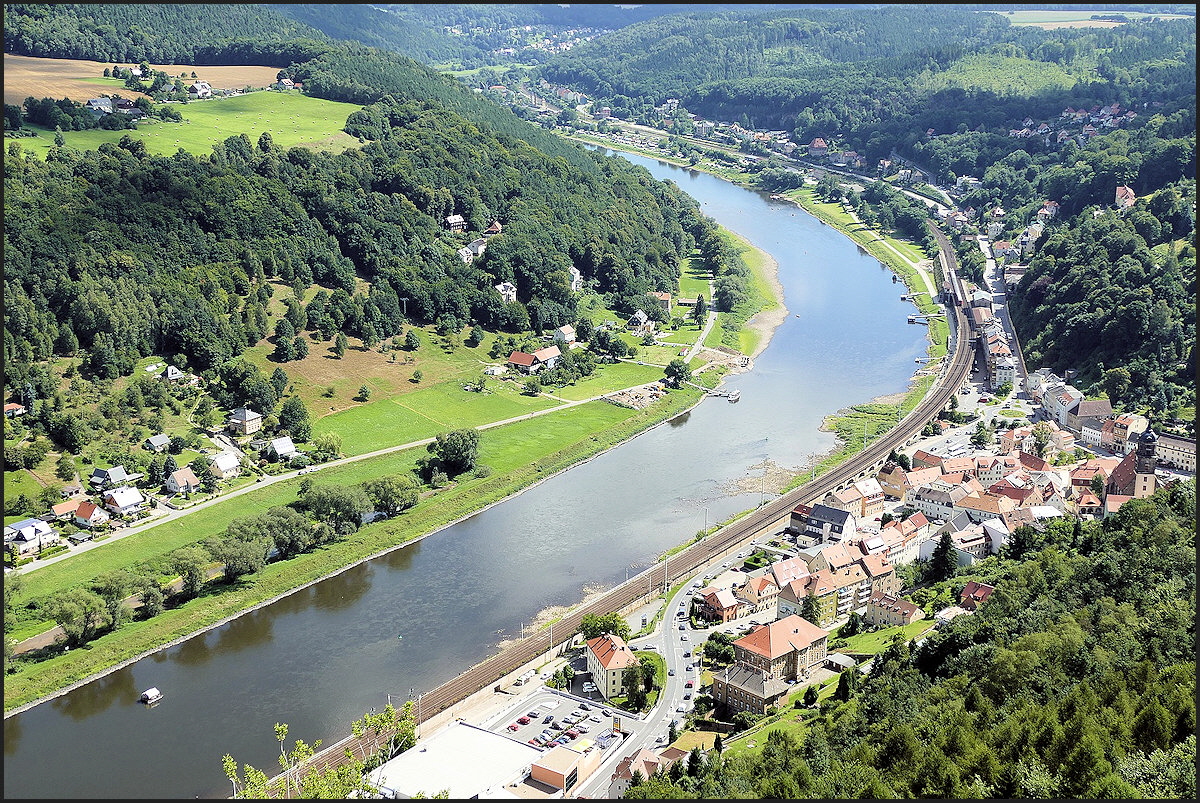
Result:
[[888, 610], [764, 661], [719, 604], [225, 465], [547, 357], [65, 511], [507, 291], [124, 501], [523, 362], [89, 514], [640, 324], [13, 409], [244, 421], [183, 481], [608, 656], [829, 524], [1177, 452], [103, 478], [282, 448], [646, 763], [974, 594], [157, 443], [758, 594], [455, 223], [29, 535]]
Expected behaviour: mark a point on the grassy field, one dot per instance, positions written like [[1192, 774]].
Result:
[[292, 120]]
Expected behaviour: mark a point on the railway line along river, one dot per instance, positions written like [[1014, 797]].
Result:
[[320, 658]]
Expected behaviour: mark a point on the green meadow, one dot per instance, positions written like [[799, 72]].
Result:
[[292, 120]]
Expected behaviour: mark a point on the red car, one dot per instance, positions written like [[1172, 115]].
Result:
[[513, 726], [524, 720], [688, 685]]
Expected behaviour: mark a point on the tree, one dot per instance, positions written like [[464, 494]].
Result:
[[113, 588], [339, 345], [810, 609], [417, 376], [190, 563], [327, 445], [151, 595], [79, 612], [412, 341], [847, 684], [392, 494], [364, 393], [593, 625], [456, 451], [64, 468], [293, 418], [532, 386], [700, 311], [678, 372], [338, 506], [944, 561], [811, 695]]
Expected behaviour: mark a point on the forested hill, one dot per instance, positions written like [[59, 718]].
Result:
[[119, 254]]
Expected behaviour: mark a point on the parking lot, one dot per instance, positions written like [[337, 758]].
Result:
[[545, 719]]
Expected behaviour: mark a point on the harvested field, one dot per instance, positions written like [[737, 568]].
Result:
[[82, 80]]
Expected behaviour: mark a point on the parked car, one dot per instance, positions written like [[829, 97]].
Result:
[[687, 695], [524, 720], [546, 720], [682, 626], [688, 685], [671, 672], [534, 714], [513, 726]]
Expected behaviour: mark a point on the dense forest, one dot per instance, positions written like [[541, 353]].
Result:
[[1076, 679]]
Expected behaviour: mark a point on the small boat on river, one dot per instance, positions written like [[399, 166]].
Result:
[[150, 696], [735, 396]]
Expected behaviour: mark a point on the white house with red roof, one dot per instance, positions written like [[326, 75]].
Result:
[[608, 656]]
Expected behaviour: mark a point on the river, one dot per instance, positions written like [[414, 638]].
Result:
[[318, 659]]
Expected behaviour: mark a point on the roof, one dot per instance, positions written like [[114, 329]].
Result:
[[830, 514], [788, 570], [185, 476], [161, 439], [437, 764], [611, 651], [225, 460], [244, 414], [283, 445], [546, 354], [86, 510], [891, 602], [124, 496], [780, 637], [521, 358]]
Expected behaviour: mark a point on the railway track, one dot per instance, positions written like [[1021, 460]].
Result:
[[682, 564]]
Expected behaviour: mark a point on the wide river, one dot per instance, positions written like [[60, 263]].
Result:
[[318, 659]]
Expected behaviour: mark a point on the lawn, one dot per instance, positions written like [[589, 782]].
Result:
[[425, 413], [608, 378], [292, 120], [695, 280]]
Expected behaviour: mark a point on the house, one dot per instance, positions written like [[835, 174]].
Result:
[[183, 481], [567, 332], [1134, 476], [124, 501], [225, 465], [157, 443], [1125, 197], [1177, 452], [974, 594], [830, 525], [608, 656], [507, 291], [244, 421], [785, 571], [493, 229], [455, 223], [640, 324], [644, 762], [64, 511], [888, 610], [523, 362], [175, 376], [466, 255], [12, 410], [576, 279], [29, 535], [547, 357], [89, 514], [282, 448], [758, 593], [765, 660], [664, 300], [565, 766], [283, 83], [111, 477], [200, 89], [477, 247], [719, 605], [818, 147]]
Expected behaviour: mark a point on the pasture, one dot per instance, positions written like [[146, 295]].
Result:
[[1079, 18], [292, 120]]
